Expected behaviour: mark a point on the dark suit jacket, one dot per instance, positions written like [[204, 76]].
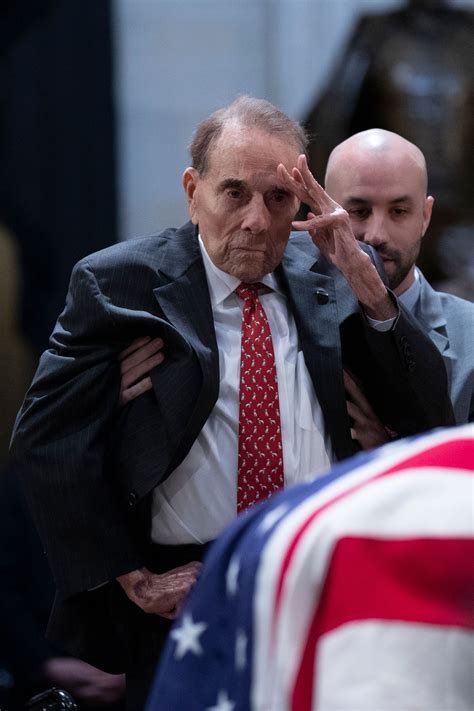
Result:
[[88, 481]]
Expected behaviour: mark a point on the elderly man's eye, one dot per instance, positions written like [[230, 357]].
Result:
[[360, 213], [280, 196], [234, 194]]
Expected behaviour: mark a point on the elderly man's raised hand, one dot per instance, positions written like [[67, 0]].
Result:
[[330, 228], [327, 222]]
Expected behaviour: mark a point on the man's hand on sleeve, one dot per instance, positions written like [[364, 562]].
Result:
[[330, 228], [160, 594], [136, 361], [367, 428]]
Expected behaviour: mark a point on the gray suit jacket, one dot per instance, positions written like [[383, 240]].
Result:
[[88, 468], [449, 322]]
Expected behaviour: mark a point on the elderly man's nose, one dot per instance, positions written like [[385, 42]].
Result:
[[257, 216]]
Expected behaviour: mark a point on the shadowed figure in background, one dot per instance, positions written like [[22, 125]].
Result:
[[411, 71]]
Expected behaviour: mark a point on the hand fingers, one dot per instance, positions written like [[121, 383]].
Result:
[[366, 414], [316, 222], [296, 184], [305, 186], [135, 391], [358, 396], [194, 566], [324, 201], [356, 414], [134, 374], [183, 571], [137, 343], [171, 615], [139, 354]]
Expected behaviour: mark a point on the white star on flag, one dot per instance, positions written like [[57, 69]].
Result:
[[223, 703], [187, 636], [232, 576]]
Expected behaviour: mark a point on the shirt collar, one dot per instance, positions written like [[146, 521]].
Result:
[[410, 297], [221, 284]]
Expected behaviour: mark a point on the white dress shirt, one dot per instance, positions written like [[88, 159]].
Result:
[[200, 497]]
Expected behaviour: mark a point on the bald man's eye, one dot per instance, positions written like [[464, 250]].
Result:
[[399, 211]]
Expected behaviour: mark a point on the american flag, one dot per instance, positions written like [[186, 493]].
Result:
[[352, 593]]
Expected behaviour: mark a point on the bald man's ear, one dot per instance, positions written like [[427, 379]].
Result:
[[190, 181], [427, 209]]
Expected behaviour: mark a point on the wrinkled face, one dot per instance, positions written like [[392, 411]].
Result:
[[385, 197], [243, 211]]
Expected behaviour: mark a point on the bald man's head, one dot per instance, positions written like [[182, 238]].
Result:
[[380, 178], [377, 145]]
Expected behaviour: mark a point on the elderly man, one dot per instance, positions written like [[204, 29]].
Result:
[[250, 396], [381, 180]]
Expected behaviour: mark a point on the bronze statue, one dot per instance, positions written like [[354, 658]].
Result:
[[411, 71]]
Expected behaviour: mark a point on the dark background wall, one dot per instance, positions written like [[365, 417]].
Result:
[[57, 170]]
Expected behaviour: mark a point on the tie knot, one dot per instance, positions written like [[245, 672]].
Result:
[[248, 292]]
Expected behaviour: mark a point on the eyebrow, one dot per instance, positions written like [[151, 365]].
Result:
[[238, 184], [353, 200], [280, 189], [232, 183]]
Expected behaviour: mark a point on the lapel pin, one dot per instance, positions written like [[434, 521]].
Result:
[[322, 296]]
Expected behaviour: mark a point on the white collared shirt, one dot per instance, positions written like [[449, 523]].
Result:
[[200, 497]]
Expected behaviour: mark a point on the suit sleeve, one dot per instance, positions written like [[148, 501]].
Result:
[[60, 439], [408, 385], [404, 377]]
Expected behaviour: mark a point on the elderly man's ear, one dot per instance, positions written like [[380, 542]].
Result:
[[190, 181]]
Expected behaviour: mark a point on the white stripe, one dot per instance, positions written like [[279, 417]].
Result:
[[395, 666]]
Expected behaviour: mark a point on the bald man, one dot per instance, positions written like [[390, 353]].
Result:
[[381, 180]]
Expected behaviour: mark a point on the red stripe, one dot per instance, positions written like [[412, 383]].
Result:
[[454, 454], [428, 581]]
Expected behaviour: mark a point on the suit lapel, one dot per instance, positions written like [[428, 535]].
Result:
[[312, 297], [183, 297], [429, 312]]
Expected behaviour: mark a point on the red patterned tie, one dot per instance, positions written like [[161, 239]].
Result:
[[260, 461]]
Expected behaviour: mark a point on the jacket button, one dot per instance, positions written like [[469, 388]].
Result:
[[132, 498]]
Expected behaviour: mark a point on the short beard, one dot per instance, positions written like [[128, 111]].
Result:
[[402, 265], [400, 274]]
